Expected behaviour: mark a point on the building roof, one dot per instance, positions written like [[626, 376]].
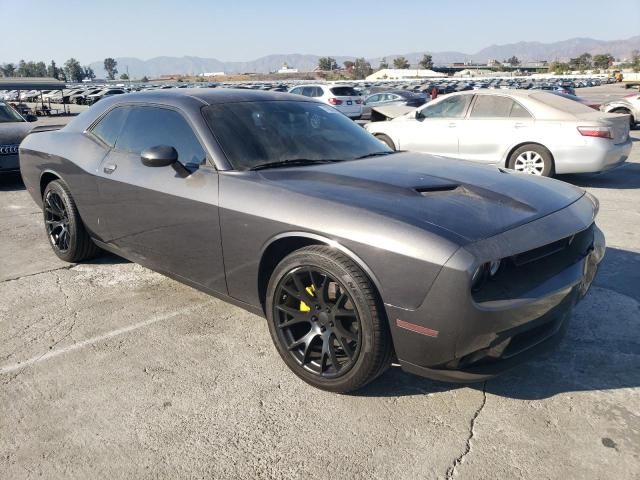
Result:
[[11, 83]]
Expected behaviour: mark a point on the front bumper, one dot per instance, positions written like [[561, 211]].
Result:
[[454, 337], [9, 164]]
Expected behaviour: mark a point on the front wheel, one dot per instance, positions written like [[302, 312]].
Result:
[[326, 321], [65, 230], [533, 159]]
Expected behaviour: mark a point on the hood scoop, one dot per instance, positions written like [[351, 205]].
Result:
[[441, 188]]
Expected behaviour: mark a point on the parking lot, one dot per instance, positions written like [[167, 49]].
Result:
[[110, 370]]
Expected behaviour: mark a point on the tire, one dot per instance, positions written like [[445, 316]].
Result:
[[385, 139], [532, 158], [310, 296], [64, 228]]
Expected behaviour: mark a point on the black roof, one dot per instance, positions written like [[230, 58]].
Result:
[[214, 95]]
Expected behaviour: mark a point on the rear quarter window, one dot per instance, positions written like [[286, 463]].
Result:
[[109, 127]]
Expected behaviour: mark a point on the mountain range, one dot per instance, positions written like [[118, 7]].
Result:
[[525, 51]]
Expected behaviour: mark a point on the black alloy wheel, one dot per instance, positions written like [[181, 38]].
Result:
[[56, 219], [317, 322], [326, 320]]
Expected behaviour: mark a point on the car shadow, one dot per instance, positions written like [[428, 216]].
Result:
[[106, 258], [601, 350], [624, 177], [11, 182]]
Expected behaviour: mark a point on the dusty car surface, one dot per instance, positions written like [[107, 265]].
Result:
[[354, 254], [531, 131], [13, 128], [629, 105]]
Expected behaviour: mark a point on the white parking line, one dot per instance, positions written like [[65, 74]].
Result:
[[90, 341]]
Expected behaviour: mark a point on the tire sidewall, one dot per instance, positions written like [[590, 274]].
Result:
[[365, 314], [549, 168], [59, 188]]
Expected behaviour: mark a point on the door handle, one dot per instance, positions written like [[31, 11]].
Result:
[[110, 168]]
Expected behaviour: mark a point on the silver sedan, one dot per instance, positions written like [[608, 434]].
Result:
[[526, 130]]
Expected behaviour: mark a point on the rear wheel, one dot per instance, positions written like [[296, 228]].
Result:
[[533, 159], [65, 230], [385, 139], [325, 320]]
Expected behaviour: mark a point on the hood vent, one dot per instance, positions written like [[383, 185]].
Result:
[[436, 188]]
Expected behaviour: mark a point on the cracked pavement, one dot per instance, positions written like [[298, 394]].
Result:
[[110, 370]]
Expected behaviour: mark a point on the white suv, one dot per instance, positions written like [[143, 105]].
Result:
[[345, 99]]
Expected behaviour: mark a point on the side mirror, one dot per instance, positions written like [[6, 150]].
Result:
[[31, 118], [159, 156]]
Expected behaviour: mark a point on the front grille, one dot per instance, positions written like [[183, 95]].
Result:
[[521, 273]]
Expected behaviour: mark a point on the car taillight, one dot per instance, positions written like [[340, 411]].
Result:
[[600, 132], [335, 101]]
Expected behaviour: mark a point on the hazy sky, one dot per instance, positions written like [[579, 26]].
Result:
[[229, 30]]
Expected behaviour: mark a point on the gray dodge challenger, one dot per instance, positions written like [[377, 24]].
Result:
[[13, 129], [357, 256]]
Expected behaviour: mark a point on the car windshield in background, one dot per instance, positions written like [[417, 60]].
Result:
[[8, 114], [257, 133], [344, 92]]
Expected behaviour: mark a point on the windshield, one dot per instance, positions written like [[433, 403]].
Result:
[[8, 114], [255, 133]]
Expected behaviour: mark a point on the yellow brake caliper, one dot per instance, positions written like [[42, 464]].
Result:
[[303, 306]]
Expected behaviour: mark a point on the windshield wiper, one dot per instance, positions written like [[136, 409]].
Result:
[[374, 154], [291, 162]]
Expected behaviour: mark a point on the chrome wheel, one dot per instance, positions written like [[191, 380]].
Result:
[[529, 162], [56, 220], [316, 322]]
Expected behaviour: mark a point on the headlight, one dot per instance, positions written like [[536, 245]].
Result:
[[483, 273], [494, 267]]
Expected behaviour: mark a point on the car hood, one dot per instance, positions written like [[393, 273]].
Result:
[[459, 200], [13, 133]]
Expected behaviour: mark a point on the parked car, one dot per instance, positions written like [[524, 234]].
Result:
[[629, 105], [81, 97], [13, 128], [353, 253], [104, 93], [527, 130], [392, 97], [343, 98]]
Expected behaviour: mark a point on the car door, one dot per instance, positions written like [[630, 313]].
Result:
[[163, 217], [494, 124], [434, 128]]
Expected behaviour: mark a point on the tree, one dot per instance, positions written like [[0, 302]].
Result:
[[361, 69], [602, 60], [401, 63], [124, 76], [8, 69], [88, 72], [110, 67], [52, 70], [144, 79], [73, 70], [348, 65], [327, 63], [513, 61], [583, 62], [383, 64], [426, 62], [559, 68]]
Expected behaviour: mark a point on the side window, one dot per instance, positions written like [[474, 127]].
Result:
[[318, 92], [296, 91], [308, 91], [452, 107], [373, 99], [152, 126], [490, 106], [518, 111], [110, 126]]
